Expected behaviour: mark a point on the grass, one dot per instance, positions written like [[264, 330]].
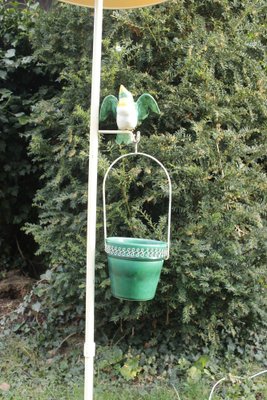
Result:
[[29, 374], [198, 391]]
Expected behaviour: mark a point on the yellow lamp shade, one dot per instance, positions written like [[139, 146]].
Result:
[[115, 4]]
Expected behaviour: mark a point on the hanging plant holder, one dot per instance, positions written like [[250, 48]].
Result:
[[135, 264]]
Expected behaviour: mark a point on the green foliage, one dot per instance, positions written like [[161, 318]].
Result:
[[205, 64], [22, 83], [30, 372], [59, 146]]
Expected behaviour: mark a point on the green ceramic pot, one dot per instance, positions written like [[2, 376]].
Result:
[[135, 266]]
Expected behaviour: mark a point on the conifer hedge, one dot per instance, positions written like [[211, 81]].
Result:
[[205, 62]]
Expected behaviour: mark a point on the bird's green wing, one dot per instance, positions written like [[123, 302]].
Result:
[[108, 108], [146, 104]]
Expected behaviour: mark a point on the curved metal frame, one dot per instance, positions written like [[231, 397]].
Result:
[[170, 193]]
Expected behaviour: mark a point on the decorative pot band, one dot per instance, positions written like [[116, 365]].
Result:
[[137, 248]]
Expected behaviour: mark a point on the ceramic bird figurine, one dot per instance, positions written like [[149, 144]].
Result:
[[128, 113]]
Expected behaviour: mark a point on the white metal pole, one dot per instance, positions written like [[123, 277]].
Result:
[[89, 345]]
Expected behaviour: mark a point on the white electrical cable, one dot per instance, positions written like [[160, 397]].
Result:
[[258, 374], [214, 387], [176, 391], [224, 379]]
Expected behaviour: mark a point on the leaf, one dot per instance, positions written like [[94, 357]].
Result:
[[202, 362], [194, 374], [36, 306], [23, 120], [3, 74], [130, 369], [26, 60], [47, 275], [5, 93], [8, 62], [105, 283], [10, 53], [72, 153]]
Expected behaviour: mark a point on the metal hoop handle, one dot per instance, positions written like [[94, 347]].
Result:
[[170, 193]]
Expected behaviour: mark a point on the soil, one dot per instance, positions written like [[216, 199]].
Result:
[[13, 287]]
